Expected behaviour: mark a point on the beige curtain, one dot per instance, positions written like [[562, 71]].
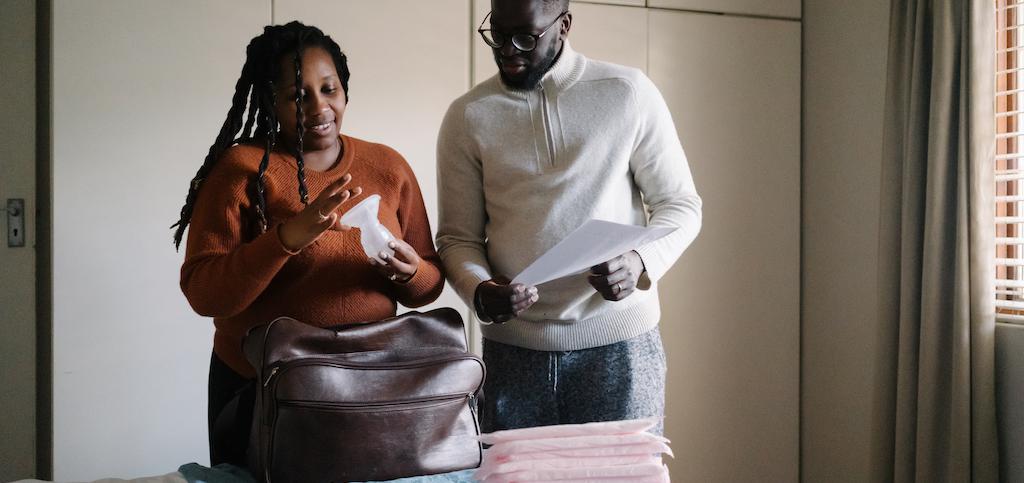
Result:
[[937, 247]]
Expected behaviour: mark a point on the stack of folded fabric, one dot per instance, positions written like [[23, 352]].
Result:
[[592, 452]]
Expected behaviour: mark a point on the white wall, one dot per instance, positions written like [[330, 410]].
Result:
[[843, 433], [140, 89], [17, 265]]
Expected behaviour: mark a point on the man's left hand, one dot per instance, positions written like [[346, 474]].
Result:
[[616, 279]]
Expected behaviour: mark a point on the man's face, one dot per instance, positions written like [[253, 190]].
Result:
[[525, 69]]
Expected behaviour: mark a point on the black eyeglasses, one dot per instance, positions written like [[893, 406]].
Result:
[[523, 41]]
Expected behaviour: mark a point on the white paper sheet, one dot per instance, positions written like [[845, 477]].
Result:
[[594, 242]]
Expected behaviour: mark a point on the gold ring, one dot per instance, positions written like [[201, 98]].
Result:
[[393, 277], [618, 288], [322, 216]]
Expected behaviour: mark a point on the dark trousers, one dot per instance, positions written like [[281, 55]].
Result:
[[231, 400], [526, 388]]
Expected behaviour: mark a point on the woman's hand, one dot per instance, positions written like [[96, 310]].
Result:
[[401, 267], [308, 225]]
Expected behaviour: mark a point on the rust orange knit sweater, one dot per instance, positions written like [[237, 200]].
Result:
[[243, 283]]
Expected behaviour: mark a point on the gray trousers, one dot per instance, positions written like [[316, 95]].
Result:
[[526, 388]]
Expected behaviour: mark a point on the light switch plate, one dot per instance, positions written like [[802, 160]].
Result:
[[15, 222]]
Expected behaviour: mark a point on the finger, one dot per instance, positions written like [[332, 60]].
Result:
[[331, 190], [520, 289], [337, 185], [397, 265], [339, 226], [622, 294], [525, 293], [383, 269], [521, 306], [599, 282], [605, 268], [380, 267], [616, 264], [326, 223], [608, 291], [619, 276], [335, 201], [404, 251], [323, 208], [621, 290]]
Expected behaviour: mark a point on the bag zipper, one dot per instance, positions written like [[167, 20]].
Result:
[[419, 403], [278, 370], [282, 367]]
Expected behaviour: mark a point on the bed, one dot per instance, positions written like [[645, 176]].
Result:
[[195, 473]]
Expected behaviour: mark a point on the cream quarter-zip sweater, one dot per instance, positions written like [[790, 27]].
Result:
[[518, 170]]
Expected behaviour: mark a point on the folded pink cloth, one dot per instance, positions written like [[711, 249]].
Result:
[[632, 473], [605, 452], [490, 467], [567, 430], [655, 447], [572, 442]]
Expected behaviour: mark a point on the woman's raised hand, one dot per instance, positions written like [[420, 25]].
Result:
[[308, 225]]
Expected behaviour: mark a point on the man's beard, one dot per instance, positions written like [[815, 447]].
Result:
[[533, 74]]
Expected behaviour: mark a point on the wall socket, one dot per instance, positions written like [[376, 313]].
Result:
[[15, 222]]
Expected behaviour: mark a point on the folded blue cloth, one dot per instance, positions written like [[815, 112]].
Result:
[[225, 473], [222, 473], [465, 476]]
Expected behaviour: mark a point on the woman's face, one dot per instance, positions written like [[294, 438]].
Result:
[[323, 102]]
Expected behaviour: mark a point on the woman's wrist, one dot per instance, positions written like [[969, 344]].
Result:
[[406, 280], [284, 244]]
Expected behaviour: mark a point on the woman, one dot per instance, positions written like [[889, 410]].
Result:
[[260, 248]]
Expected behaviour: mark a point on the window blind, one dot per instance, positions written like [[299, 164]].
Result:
[[1009, 161]]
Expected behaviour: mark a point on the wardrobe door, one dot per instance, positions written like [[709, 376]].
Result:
[[631, 3], [140, 89], [789, 9], [409, 61], [730, 306], [18, 288]]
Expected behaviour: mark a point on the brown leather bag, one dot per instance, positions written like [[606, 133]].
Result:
[[372, 401]]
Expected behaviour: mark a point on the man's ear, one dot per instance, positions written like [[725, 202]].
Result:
[[563, 33]]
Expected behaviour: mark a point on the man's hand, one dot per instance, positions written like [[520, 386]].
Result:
[[616, 279], [498, 300]]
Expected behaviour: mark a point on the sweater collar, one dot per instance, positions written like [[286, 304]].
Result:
[[568, 68]]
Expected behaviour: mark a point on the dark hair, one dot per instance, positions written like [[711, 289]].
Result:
[[255, 89]]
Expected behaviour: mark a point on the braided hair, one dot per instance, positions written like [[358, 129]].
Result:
[[255, 90]]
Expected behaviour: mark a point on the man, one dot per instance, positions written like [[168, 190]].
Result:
[[524, 158]]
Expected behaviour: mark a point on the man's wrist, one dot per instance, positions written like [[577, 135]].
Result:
[[478, 305], [643, 267]]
